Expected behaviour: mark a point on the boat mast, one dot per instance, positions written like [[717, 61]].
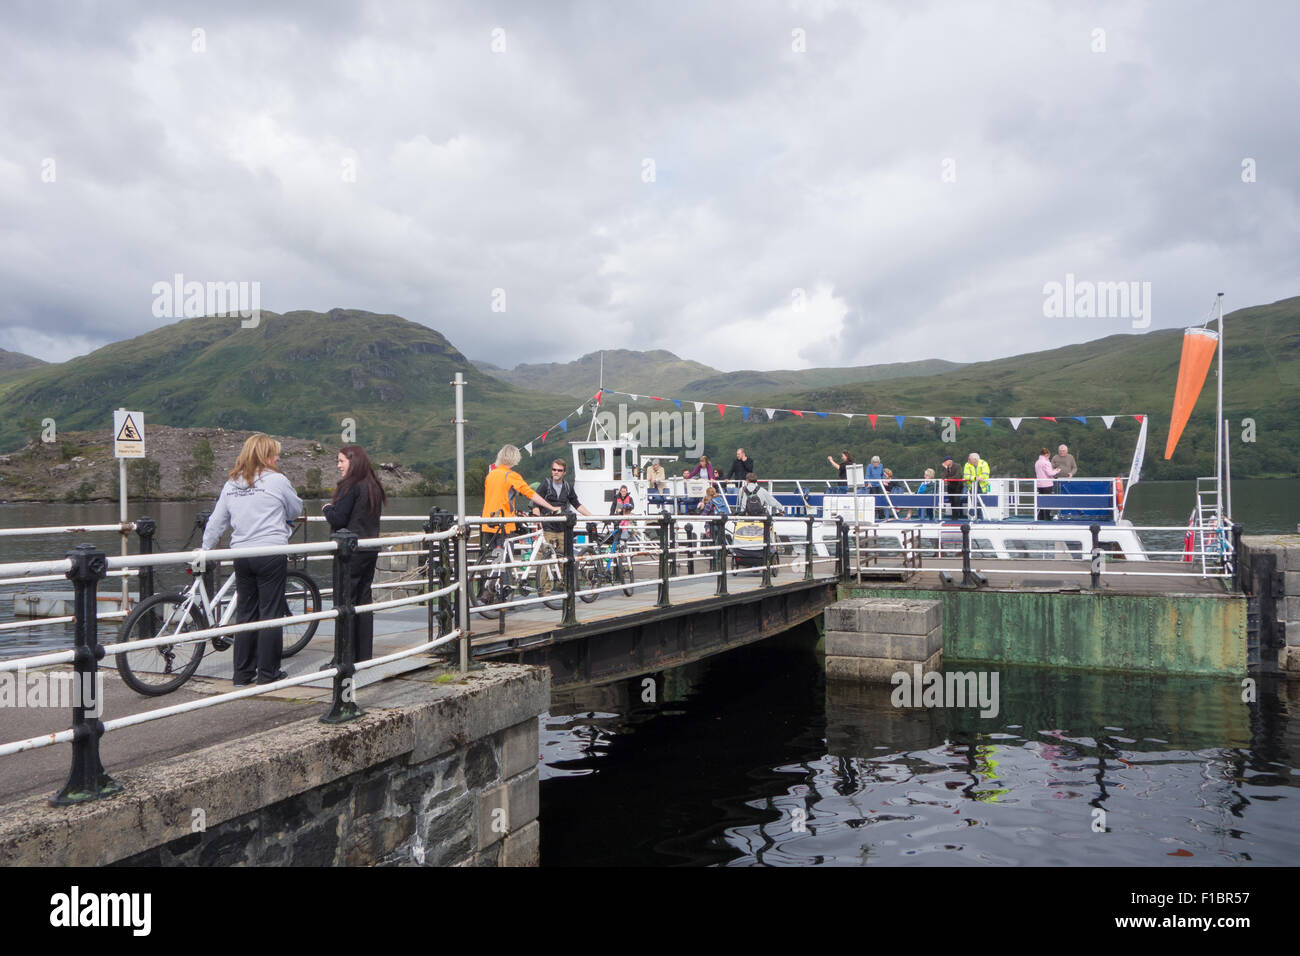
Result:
[[1219, 468]]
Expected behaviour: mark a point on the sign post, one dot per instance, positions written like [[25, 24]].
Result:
[[128, 442]]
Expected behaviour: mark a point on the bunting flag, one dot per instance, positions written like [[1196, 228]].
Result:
[[747, 412], [544, 434], [564, 425], [1194, 365], [529, 448]]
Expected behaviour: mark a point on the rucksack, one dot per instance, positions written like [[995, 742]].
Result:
[[754, 506]]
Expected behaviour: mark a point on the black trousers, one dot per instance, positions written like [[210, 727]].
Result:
[[361, 574], [260, 583], [1045, 514]]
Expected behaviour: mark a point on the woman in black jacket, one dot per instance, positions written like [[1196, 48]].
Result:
[[356, 506]]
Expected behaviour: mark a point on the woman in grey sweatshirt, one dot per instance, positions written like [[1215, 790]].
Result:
[[257, 504]]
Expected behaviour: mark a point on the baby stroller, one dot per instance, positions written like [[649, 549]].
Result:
[[746, 539]]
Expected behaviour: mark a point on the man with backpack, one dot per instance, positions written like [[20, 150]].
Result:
[[557, 491], [755, 500]]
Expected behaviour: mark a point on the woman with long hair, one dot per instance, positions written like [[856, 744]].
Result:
[[258, 505], [357, 503]]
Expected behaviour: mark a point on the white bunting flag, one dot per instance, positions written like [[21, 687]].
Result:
[[1015, 423], [529, 448], [847, 414], [1109, 420], [699, 406], [929, 418], [771, 413], [634, 398]]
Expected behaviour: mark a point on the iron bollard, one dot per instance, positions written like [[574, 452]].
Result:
[[87, 779], [808, 552], [690, 548], [665, 523], [343, 707], [1096, 554], [767, 551], [720, 553], [672, 547], [570, 572]]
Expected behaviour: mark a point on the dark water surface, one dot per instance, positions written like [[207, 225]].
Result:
[[752, 758]]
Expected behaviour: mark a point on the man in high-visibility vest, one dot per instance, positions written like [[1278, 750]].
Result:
[[976, 469]]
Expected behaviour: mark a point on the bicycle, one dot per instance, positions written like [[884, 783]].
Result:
[[155, 671], [492, 582], [604, 562]]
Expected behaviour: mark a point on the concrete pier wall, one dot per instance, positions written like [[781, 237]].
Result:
[[1160, 633], [435, 773]]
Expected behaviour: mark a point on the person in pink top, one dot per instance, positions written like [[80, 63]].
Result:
[[705, 468], [1043, 475]]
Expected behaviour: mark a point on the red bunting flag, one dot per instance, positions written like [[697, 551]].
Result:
[[722, 411], [1047, 418], [1139, 418], [872, 419], [793, 412], [544, 434], [957, 422], [656, 398]]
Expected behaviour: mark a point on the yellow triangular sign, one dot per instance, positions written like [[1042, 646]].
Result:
[[128, 431]]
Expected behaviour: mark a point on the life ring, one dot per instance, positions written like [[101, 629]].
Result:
[[1119, 492]]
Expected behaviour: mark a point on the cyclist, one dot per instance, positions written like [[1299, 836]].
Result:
[[257, 504], [559, 492], [500, 489]]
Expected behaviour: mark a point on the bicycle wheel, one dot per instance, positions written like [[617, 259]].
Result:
[[623, 569], [155, 671], [548, 581], [301, 596], [487, 586], [588, 577]]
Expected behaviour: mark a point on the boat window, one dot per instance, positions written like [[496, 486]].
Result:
[[591, 459], [618, 464]]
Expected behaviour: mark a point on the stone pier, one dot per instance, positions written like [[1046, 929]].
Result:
[[870, 639]]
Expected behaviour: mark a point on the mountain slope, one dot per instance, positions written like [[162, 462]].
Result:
[[301, 374], [636, 371]]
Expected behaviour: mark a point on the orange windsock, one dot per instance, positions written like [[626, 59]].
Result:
[[1198, 353]]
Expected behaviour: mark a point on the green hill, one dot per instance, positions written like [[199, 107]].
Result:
[[756, 383], [1117, 374], [297, 374], [638, 371]]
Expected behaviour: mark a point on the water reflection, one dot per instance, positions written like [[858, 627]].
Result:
[[753, 758]]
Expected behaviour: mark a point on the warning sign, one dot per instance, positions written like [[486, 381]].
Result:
[[128, 434]]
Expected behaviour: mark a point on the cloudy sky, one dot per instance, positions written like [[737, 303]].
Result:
[[749, 184]]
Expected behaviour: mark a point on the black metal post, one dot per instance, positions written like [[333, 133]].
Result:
[[690, 548], [965, 553], [720, 553], [665, 522], [344, 706], [570, 568], [146, 528], [767, 551], [808, 553], [672, 545], [87, 779], [1238, 573], [437, 576], [1096, 554]]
